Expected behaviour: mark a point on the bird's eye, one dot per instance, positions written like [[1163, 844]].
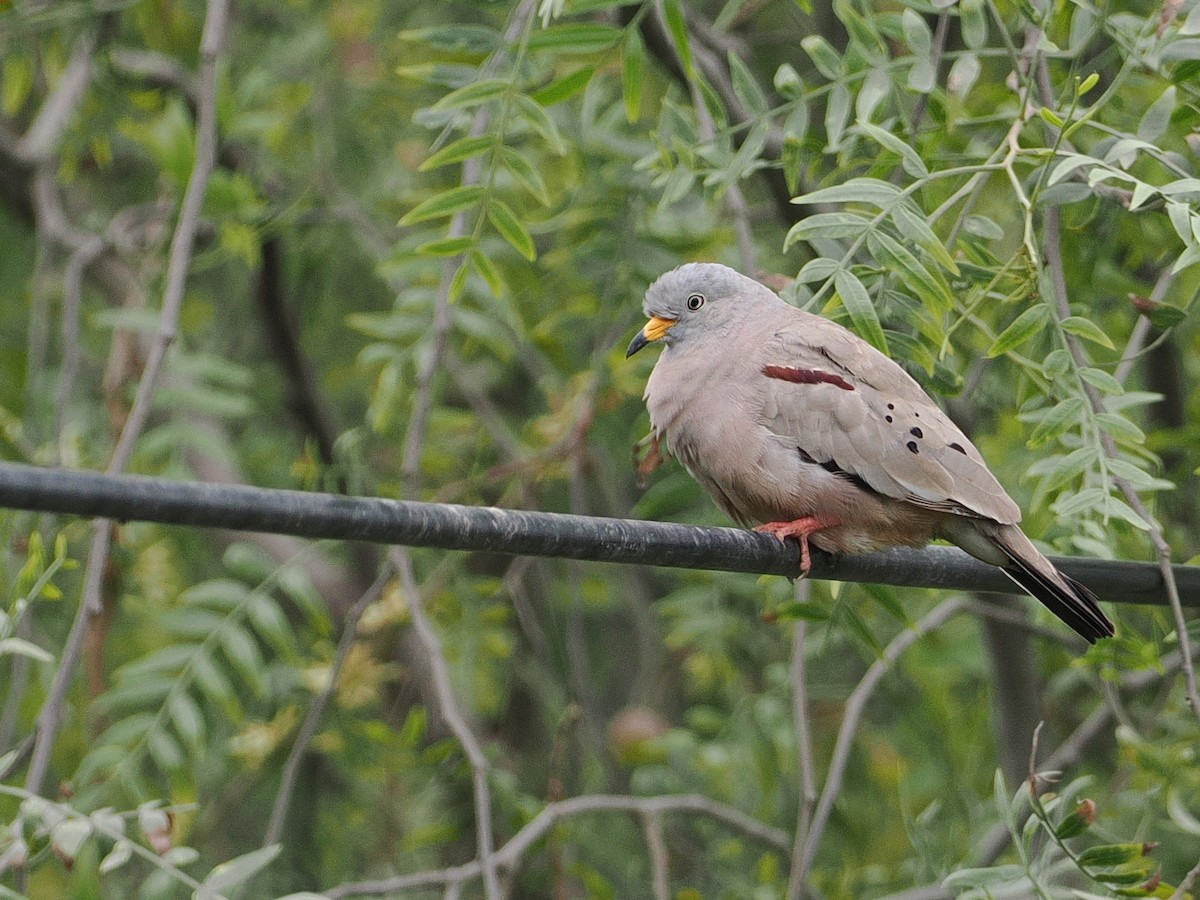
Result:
[[695, 301]]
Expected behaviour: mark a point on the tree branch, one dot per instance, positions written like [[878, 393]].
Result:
[[855, 706]]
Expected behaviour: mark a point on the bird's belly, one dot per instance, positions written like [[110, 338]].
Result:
[[756, 477]]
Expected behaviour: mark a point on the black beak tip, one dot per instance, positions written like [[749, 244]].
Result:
[[639, 341]]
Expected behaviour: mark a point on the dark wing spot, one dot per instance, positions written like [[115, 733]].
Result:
[[912, 446], [891, 406], [916, 432], [889, 418], [917, 414], [806, 376], [959, 447]]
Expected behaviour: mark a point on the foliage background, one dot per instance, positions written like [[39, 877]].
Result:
[[418, 259]]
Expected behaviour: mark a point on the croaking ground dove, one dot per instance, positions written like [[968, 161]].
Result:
[[790, 420]]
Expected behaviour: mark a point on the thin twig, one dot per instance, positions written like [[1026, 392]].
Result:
[[1053, 252], [652, 827], [291, 768], [855, 706], [180, 258], [1189, 882], [41, 139], [510, 855], [414, 443], [452, 715]]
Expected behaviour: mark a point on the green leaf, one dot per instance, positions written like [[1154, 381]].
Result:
[[1165, 316], [1158, 117], [457, 38], [1111, 854], [912, 163], [818, 269], [236, 871], [1102, 380], [913, 226], [522, 170], [856, 190], [922, 77], [992, 876], [791, 158], [1060, 418], [745, 86], [912, 273], [537, 117], [973, 14], [862, 312], [1069, 163], [444, 204], [15, 646], [916, 33], [809, 612], [187, 718], [788, 83], [1088, 330], [445, 246], [1050, 116], [242, 651], [964, 72], [1121, 428], [827, 226], [575, 38], [564, 88], [473, 94], [837, 114], [677, 25], [461, 149], [827, 60], [633, 70], [1025, 326], [875, 87], [487, 271], [511, 229]]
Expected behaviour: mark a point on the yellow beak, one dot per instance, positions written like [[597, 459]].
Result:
[[653, 331]]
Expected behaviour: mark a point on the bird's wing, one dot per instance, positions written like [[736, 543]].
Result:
[[845, 404]]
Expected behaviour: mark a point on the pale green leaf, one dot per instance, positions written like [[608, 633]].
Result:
[[1025, 326], [1088, 330], [511, 229], [447, 203], [858, 304], [912, 162]]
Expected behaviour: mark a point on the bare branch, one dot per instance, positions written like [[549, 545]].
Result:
[[854, 709], [50, 716], [652, 826], [1189, 882], [39, 143], [510, 855], [291, 768]]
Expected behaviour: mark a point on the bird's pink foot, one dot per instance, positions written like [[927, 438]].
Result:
[[799, 529]]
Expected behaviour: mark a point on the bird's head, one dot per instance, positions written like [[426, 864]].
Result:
[[698, 299]]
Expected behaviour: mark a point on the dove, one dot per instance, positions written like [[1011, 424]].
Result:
[[791, 421]]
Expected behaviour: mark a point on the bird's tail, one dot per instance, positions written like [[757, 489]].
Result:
[[1064, 596]]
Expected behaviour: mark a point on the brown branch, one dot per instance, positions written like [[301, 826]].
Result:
[[512, 853], [50, 716], [855, 706], [291, 768]]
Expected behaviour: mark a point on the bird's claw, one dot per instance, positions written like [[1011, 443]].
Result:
[[799, 529]]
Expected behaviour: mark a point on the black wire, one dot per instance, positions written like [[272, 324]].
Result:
[[454, 527]]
